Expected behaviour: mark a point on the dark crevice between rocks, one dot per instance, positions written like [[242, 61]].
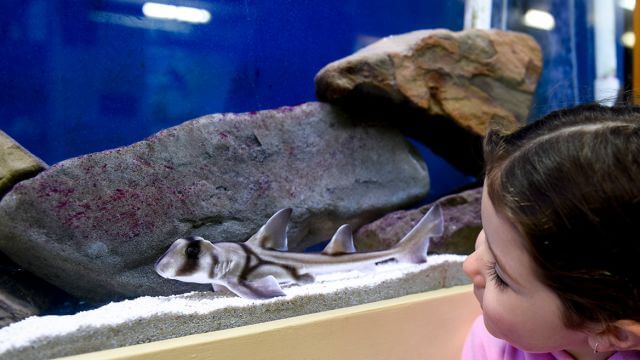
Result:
[[23, 294], [209, 220], [479, 182], [15, 178], [460, 147]]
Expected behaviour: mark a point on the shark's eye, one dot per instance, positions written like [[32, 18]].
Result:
[[193, 250]]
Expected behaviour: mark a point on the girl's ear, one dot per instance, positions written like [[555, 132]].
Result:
[[619, 336]]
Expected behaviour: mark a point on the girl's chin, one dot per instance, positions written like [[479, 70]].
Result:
[[513, 342], [491, 329]]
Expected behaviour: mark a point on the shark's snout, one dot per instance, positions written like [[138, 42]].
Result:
[[159, 268], [162, 266]]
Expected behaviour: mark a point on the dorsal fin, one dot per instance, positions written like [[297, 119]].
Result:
[[413, 246], [273, 234], [341, 242]]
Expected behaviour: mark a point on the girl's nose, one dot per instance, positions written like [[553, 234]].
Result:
[[472, 266], [473, 269]]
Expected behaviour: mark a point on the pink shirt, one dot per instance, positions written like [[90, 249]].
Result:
[[480, 345]]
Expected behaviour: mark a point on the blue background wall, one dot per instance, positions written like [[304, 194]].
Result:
[[81, 76], [568, 49]]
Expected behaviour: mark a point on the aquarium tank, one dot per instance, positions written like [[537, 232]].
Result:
[[102, 92], [81, 76]]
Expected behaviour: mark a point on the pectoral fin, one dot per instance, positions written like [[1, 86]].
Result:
[[221, 289], [341, 242], [265, 288], [217, 287]]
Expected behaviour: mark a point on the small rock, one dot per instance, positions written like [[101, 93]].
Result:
[[461, 220], [444, 88], [16, 163]]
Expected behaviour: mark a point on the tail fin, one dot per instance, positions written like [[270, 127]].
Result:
[[413, 246]]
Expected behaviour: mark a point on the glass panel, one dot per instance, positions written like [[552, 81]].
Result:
[[81, 76], [567, 31]]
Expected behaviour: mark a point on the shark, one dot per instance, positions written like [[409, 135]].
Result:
[[260, 266]]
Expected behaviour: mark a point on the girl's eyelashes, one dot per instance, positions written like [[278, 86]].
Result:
[[495, 277]]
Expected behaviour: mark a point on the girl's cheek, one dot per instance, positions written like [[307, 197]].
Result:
[[501, 318], [493, 319]]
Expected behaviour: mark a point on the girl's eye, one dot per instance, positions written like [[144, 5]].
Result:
[[493, 275]]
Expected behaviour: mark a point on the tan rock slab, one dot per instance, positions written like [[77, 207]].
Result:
[[16, 163], [451, 85]]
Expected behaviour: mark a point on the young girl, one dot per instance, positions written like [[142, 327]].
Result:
[[557, 266]]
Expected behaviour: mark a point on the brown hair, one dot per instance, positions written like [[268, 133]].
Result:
[[570, 182]]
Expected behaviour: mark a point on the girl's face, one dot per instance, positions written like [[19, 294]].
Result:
[[516, 306]]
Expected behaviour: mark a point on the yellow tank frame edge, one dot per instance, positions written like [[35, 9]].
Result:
[[429, 325]]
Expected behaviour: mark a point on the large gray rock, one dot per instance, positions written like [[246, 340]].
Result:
[[21, 294], [446, 88], [94, 225], [462, 223]]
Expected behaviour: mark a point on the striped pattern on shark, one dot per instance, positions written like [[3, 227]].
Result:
[[255, 269]]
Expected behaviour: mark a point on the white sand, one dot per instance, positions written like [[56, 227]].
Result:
[[147, 319]]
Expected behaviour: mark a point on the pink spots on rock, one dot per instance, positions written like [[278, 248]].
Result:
[[85, 206], [120, 214], [118, 195], [180, 194], [62, 204], [285, 109], [143, 161], [63, 192], [291, 151], [51, 190], [73, 218], [262, 186], [223, 135]]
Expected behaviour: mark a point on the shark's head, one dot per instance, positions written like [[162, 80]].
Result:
[[190, 259]]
